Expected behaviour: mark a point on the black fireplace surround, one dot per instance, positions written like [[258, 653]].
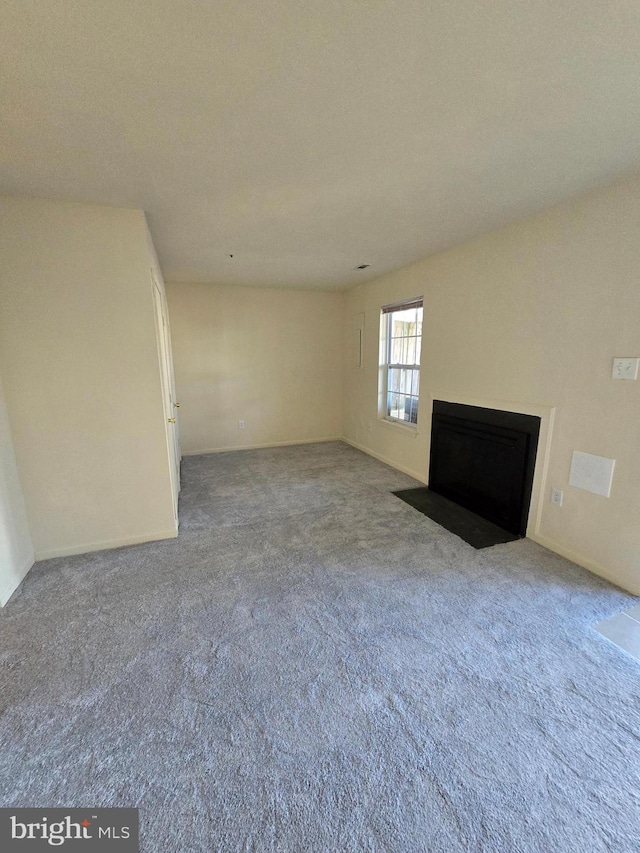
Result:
[[484, 459]]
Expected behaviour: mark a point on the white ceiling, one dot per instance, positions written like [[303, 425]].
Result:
[[307, 136]]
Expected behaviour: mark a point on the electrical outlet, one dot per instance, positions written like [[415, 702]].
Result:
[[625, 368], [556, 497], [241, 424]]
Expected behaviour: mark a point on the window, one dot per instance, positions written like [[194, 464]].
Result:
[[400, 339]]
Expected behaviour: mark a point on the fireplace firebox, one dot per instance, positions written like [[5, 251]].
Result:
[[483, 460]]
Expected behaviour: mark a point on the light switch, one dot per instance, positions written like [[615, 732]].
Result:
[[625, 368], [593, 473]]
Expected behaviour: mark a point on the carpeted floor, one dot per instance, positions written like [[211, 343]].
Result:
[[315, 666]]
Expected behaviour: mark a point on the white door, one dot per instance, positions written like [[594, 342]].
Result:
[[168, 397]]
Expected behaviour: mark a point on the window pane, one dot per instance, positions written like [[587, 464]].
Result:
[[396, 350], [409, 315], [408, 410], [397, 326], [395, 380], [405, 408], [399, 410], [410, 356], [394, 404]]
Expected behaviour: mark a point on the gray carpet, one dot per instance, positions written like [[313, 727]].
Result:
[[315, 666]]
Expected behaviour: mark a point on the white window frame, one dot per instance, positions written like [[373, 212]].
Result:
[[386, 364]]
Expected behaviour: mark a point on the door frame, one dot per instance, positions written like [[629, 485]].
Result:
[[168, 393]]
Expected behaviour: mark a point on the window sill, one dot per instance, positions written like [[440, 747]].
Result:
[[410, 430]]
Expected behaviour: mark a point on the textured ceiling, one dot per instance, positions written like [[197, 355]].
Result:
[[307, 137]]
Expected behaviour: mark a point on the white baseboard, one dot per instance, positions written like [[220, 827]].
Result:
[[260, 446], [384, 459], [12, 583], [104, 546], [628, 584]]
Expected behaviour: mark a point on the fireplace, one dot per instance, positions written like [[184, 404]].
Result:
[[483, 460]]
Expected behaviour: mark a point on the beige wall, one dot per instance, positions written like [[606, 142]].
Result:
[[81, 376], [272, 358], [529, 318], [16, 550]]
